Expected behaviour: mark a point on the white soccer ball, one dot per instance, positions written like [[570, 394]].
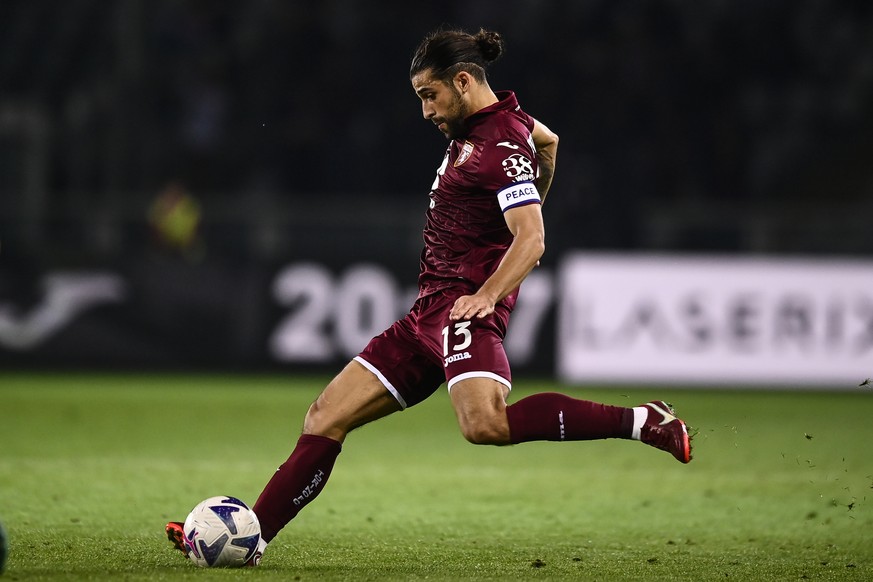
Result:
[[221, 532]]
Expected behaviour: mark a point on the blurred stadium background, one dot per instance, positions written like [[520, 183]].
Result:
[[241, 185]]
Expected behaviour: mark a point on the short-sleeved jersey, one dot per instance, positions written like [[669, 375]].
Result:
[[483, 174]]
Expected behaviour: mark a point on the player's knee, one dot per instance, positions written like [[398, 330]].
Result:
[[314, 416], [320, 420], [485, 432]]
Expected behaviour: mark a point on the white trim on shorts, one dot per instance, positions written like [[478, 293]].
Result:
[[384, 381], [481, 374]]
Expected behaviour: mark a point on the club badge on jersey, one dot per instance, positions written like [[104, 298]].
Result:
[[466, 152]]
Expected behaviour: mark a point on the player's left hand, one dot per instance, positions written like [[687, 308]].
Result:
[[470, 306]]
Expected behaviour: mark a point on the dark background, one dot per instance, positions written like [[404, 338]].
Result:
[[289, 131]]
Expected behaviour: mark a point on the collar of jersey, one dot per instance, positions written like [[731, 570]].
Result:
[[506, 102]]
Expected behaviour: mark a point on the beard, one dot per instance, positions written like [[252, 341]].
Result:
[[455, 117]]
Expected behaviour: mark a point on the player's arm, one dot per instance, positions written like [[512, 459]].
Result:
[[546, 144], [526, 224]]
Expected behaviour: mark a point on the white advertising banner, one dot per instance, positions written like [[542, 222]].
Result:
[[715, 320]]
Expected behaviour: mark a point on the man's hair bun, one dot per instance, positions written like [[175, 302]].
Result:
[[490, 44]]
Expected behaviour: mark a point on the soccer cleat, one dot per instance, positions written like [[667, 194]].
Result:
[[255, 559], [176, 535], [664, 431]]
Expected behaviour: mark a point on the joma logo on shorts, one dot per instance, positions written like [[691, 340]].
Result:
[[456, 357]]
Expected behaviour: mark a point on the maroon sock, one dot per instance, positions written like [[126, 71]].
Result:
[[556, 417], [297, 482]]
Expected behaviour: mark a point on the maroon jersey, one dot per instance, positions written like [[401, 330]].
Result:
[[483, 174]]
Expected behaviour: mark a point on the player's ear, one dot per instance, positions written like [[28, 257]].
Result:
[[463, 80]]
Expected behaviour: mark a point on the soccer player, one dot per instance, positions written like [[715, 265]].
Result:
[[483, 234]]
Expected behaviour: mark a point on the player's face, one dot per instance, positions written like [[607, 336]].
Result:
[[441, 103]]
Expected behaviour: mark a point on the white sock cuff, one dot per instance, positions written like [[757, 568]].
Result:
[[641, 413]]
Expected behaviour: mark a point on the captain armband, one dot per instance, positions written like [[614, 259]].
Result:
[[517, 195]]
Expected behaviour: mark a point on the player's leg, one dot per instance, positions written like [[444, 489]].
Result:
[[557, 417], [484, 418], [479, 379], [390, 374], [354, 398], [480, 406], [551, 416]]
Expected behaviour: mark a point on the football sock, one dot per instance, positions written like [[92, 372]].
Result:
[[641, 413], [295, 483], [556, 417]]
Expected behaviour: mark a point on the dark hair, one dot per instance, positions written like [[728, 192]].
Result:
[[446, 52]]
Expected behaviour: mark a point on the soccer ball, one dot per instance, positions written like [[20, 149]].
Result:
[[221, 532]]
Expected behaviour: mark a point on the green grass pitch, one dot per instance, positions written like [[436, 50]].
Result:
[[92, 466]]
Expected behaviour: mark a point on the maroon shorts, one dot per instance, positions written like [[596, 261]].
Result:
[[424, 349]]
